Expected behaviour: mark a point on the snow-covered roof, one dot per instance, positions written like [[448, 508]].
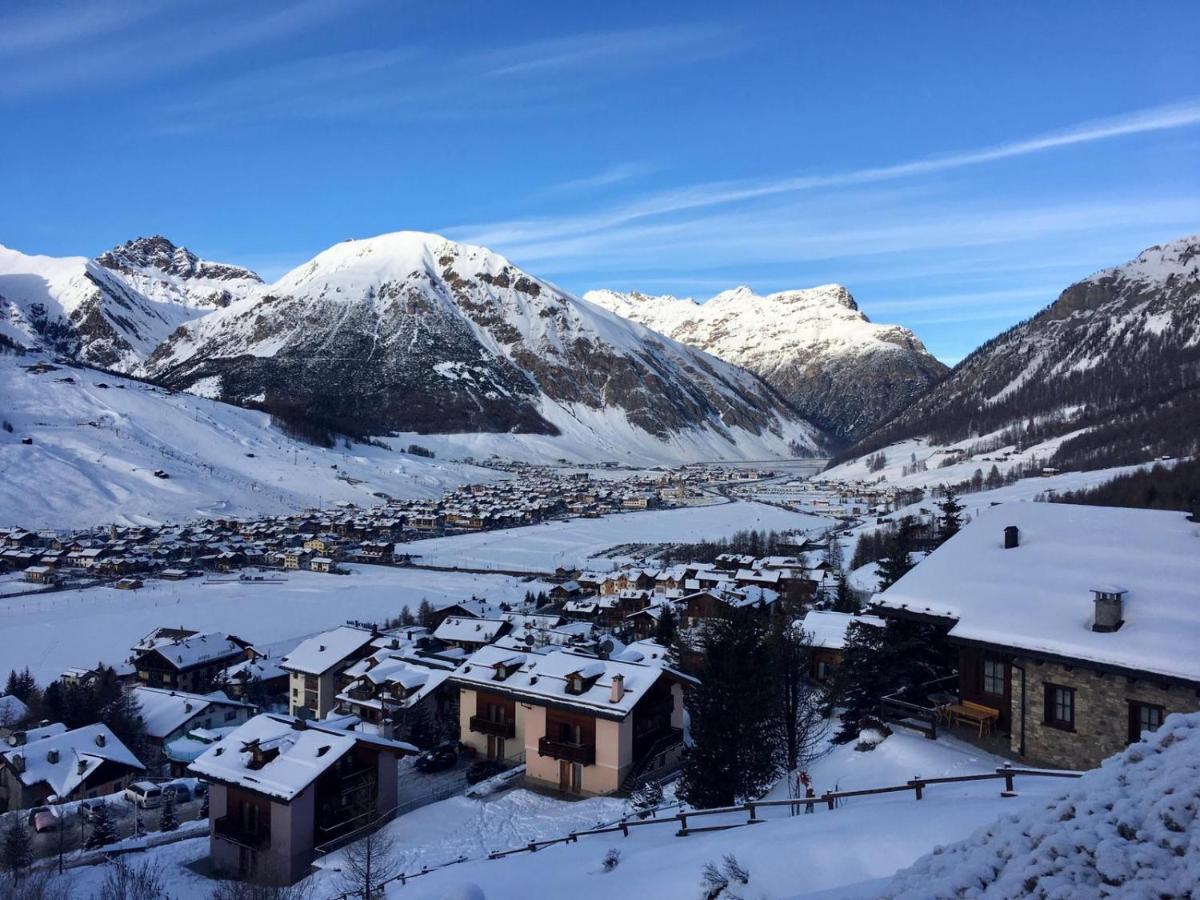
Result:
[[1038, 595], [828, 629], [165, 711], [294, 756], [198, 649], [464, 630], [65, 760], [321, 653], [545, 676]]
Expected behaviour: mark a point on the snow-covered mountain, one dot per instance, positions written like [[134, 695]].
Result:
[[112, 311], [841, 370], [413, 332], [1112, 366]]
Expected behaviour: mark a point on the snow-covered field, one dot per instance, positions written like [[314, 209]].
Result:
[[50, 632], [842, 853], [95, 450], [578, 542]]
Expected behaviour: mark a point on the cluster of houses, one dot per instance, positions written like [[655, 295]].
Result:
[[318, 540], [1076, 630]]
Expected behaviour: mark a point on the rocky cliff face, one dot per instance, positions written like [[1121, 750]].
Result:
[[112, 311], [814, 346], [412, 332]]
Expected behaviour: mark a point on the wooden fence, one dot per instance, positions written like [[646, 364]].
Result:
[[680, 820]]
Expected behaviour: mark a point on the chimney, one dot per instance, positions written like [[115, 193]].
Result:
[[17, 739], [52, 756], [1109, 609], [618, 689], [18, 762], [81, 766], [1012, 537], [101, 740]]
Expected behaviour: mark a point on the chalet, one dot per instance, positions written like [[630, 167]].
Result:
[[702, 605], [170, 715], [187, 664], [40, 575], [1076, 626], [316, 664], [321, 564], [470, 634], [825, 633], [565, 591], [55, 765], [397, 695], [583, 725], [281, 787]]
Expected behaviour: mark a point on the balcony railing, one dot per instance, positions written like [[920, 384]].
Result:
[[229, 828], [584, 754], [483, 725]]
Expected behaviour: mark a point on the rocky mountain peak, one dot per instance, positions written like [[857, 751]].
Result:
[[145, 255]]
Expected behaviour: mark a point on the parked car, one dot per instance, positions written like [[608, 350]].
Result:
[[87, 810], [485, 768], [438, 759], [44, 818], [185, 790], [144, 794]]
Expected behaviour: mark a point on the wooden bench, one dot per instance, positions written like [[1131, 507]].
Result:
[[975, 714]]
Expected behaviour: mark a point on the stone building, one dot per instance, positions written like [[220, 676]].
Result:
[[1079, 626]]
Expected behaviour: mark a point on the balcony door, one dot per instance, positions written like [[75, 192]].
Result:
[[495, 747], [570, 777]]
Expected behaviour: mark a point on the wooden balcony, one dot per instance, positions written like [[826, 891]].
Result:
[[484, 725], [230, 829], [584, 754]]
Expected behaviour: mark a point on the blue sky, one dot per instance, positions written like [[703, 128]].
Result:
[[955, 165]]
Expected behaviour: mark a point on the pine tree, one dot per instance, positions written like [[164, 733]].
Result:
[[103, 830], [898, 561], [950, 516], [664, 632], [406, 617], [10, 686], [17, 849], [734, 718], [425, 614], [169, 818]]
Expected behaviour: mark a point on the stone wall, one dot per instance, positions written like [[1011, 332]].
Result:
[[1101, 712]]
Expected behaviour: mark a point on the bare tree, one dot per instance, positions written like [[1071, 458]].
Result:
[[42, 884], [369, 862], [240, 890], [133, 881]]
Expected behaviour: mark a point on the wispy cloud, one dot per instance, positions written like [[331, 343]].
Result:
[[615, 174], [93, 52], [725, 193]]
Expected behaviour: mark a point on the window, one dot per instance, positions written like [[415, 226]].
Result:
[[993, 677], [230, 715], [1144, 717], [1060, 706]]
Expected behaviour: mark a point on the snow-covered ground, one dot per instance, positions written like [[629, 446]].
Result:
[[51, 632], [844, 852], [98, 448], [577, 542]]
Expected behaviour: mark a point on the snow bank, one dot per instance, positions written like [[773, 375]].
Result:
[[1128, 829]]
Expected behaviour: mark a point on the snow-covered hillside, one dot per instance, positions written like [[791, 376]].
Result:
[[1080, 370], [815, 346], [412, 332], [97, 440], [1128, 829]]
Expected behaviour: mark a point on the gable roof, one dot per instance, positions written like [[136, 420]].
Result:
[[65, 760], [164, 711], [196, 650], [304, 753], [1038, 596], [322, 652], [827, 629]]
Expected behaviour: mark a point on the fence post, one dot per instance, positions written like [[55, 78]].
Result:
[[682, 817], [829, 799], [1008, 779], [753, 812], [917, 784]]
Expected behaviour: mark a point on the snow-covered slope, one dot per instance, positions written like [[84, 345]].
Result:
[[97, 440], [1128, 829], [112, 311], [1115, 358], [815, 346], [412, 332]]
